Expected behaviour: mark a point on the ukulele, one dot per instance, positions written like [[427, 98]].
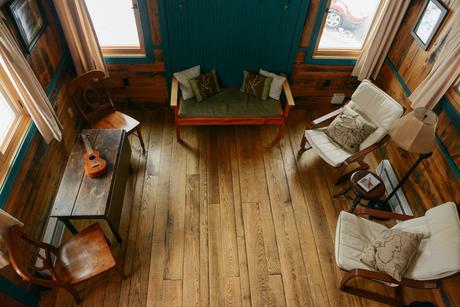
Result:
[[95, 166]]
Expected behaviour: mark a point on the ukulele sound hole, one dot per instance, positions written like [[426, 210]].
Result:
[[92, 158]]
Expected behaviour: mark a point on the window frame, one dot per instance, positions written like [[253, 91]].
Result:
[[10, 146], [337, 55], [129, 55]]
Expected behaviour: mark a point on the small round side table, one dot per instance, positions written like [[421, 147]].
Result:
[[376, 193]]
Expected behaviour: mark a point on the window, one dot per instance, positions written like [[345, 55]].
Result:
[[118, 30], [13, 121], [345, 27]]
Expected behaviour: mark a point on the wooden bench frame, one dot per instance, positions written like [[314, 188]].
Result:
[[214, 121]]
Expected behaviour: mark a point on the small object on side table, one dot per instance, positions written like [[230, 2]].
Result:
[[372, 195]]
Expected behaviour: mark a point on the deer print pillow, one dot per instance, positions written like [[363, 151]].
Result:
[[392, 251], [256, 85], [349, 129], [205, 86]]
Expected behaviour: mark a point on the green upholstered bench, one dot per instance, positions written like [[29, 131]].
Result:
[[230, 107]]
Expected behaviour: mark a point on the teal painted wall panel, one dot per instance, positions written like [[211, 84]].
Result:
[[232, 35]]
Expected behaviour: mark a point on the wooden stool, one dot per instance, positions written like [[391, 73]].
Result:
[[373, 195]]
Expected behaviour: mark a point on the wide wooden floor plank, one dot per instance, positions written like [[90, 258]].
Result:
[[227, 209], [295, 280], [261, 293], [161, 200], [191, 286], [232, 289], [242, 255], [216, 266], [253, 186]]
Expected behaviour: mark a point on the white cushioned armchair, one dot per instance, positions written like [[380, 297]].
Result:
[[438, 255], [374, 105]]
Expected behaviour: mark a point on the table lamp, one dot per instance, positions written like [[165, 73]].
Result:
[[414, 132]]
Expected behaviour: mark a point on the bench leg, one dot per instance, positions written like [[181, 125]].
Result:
[[281, 131], [178, 133]]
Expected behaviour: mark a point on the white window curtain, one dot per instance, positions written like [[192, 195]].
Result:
[[446, 69], [379, 39], [33, 97], [80, 35]]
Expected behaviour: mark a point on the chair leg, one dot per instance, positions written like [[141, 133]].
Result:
[[139, 135], [75, 294], [340, 177], [304, 145], [120, 272]]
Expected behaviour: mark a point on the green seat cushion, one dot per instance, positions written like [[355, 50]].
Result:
[[230, 102]]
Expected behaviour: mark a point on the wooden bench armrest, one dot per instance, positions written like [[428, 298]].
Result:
[[288, 94], [361, 154], [382, 214], [174, 93]]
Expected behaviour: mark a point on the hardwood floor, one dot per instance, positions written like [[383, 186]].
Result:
[[230, 219]]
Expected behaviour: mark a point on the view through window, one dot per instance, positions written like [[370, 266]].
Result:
[[347, 24], [7, 118], [119, 31]]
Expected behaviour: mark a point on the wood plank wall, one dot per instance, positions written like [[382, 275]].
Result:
[[34, 189], [433, 183], [312, 85]]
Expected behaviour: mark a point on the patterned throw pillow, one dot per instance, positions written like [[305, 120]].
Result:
[[349, 130], [205, 85], [392, 251], [256, 85]]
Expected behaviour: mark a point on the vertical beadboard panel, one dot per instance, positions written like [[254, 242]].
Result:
[[233, 35]]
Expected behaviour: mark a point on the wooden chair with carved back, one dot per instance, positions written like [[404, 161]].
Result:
[[91, 98], [85, 255]]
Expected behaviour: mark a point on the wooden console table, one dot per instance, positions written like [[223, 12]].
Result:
[[82, 197]]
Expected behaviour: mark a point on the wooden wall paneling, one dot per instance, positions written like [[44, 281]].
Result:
[[139, 83]]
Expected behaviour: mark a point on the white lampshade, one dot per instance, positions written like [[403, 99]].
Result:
[[415, 131]]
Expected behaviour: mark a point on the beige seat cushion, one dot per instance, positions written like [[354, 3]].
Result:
[[325, 147], [353, 234]]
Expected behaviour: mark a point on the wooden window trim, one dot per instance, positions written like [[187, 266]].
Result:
[[11, 144], [117, 51], [338, 53]]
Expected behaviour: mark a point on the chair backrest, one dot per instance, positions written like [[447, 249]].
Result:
[[376, 106], [90, 96], [443, 224], [25, 255]]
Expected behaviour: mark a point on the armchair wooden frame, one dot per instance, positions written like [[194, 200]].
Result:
[[397, 299], [357, 157], [214, 121]]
